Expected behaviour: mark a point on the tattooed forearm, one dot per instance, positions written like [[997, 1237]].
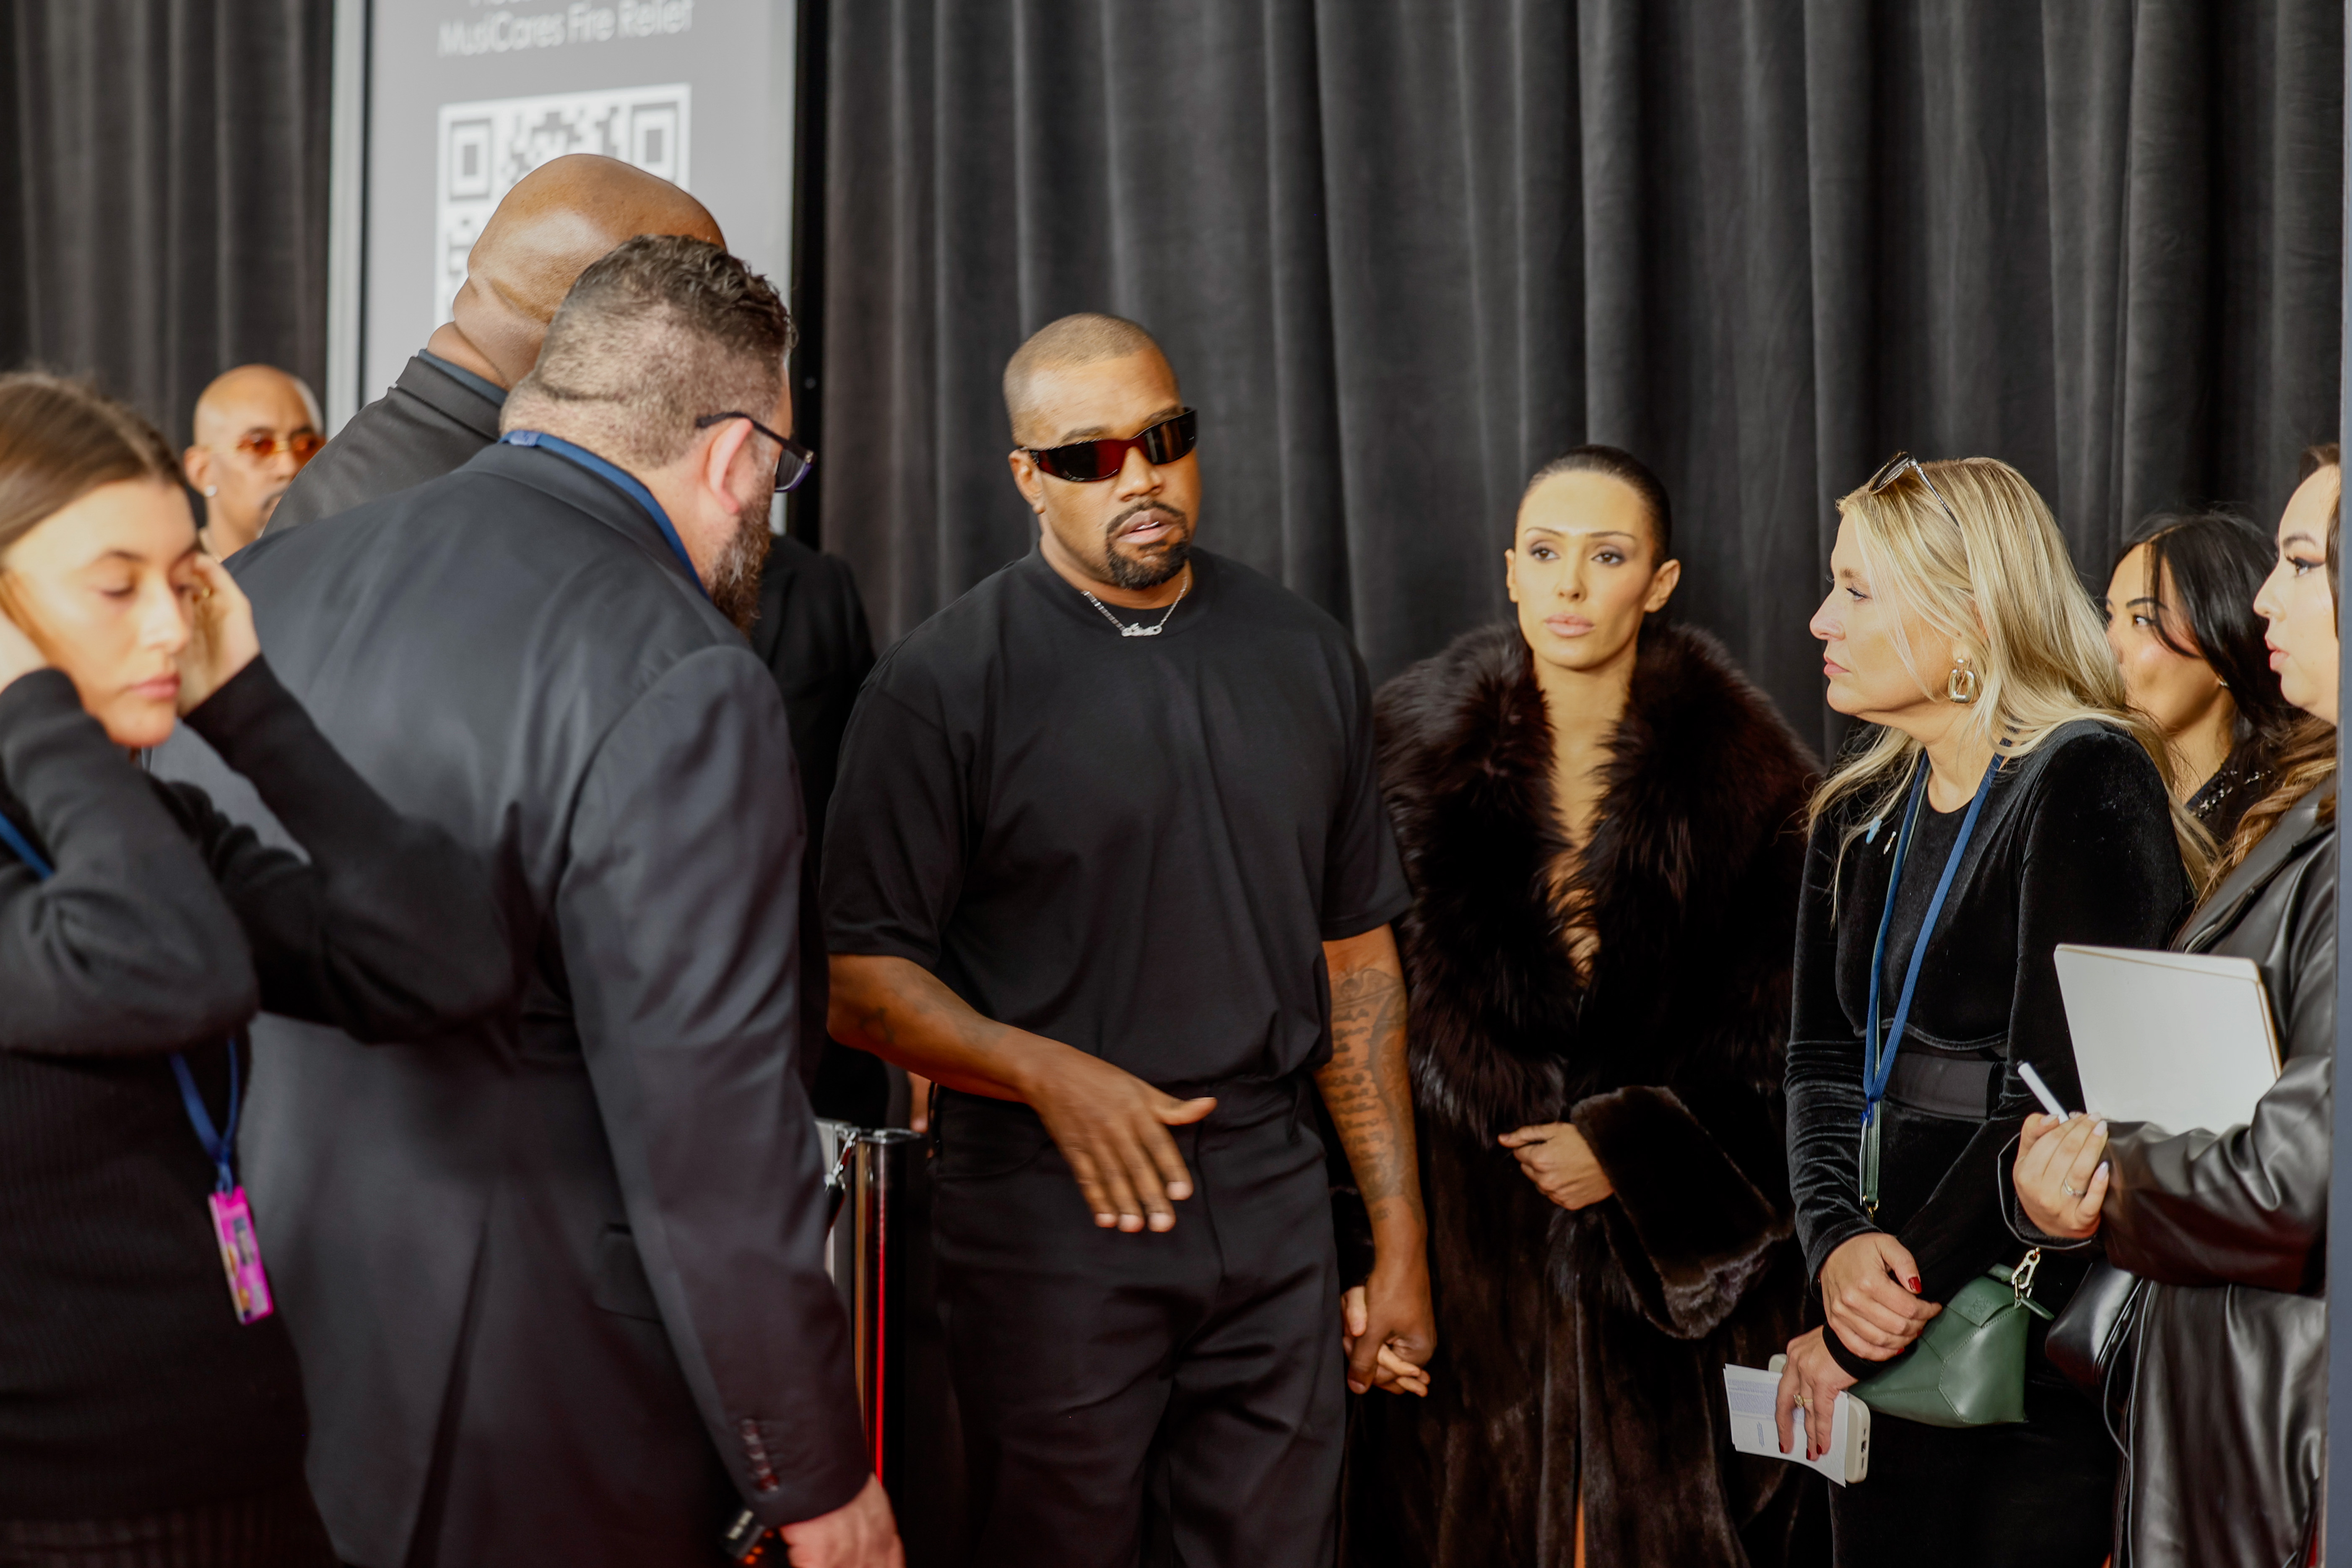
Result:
[[1365, 1084]]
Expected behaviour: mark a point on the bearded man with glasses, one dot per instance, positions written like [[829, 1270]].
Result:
[[1109, 863], [563, 1270]]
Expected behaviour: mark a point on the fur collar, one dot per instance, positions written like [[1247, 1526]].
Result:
[[1705, 777]]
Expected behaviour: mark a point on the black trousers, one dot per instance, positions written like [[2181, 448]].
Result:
[[2037, 1495], [1176, 1398], [274, 1529]]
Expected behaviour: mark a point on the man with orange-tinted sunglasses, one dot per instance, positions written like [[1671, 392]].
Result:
[[255, 427]]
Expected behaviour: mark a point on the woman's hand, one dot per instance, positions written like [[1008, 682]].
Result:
[[2062, 1173], [1393, 1373], [221, 639], [1870, 1288], [19, 654], [1560, 1163], [1810, 1380]]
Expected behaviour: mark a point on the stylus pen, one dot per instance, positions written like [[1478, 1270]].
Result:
[[2041, 1091]]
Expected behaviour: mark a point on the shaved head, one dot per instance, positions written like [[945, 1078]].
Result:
[[557, 219], [1087, 338], [252, 396], [255, 427]]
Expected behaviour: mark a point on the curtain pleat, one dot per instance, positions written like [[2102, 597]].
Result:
[[164, 191], [1400, 252]]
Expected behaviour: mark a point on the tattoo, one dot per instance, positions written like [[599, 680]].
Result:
[[1365, 1086]]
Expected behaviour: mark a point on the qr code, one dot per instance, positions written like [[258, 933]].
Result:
[[485, 147]]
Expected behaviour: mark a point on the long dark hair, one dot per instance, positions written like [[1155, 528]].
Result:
[[2306, 758], [2215, 562]]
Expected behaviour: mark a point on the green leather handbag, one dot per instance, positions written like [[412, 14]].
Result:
[[1967, 1368]]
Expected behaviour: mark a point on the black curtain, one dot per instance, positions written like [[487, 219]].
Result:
[[164, 191], [1400, 252]]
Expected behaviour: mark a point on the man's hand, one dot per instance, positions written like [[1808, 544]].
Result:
[[2062, 1173], [1112, 1127], [1560, 1163], [861, 1533], [1812, 1379], [1869, 1292], [1395, 1361]]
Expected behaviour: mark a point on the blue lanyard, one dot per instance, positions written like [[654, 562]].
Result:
[[31, 857], [220, 1144], [1878, 1063], [628, 482]]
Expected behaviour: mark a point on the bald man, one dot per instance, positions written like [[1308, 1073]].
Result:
[[256, 427], [445, 407]]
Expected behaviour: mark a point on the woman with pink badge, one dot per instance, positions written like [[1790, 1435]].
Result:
[[150, 1409]]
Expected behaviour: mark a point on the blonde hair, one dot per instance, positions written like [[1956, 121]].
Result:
[[1992, 574]]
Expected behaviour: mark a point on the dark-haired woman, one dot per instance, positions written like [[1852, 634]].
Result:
[[2180, 618], [2227, 1421], [151, 1411], [1600, 818]]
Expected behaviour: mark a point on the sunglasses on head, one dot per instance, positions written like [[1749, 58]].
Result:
[[1895, 467], [792, 463], [261, 445], [1084, 462]]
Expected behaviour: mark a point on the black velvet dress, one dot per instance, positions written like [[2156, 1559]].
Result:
[[2074, 844]]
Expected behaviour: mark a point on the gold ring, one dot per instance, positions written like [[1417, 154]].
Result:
[[1804, 1402]]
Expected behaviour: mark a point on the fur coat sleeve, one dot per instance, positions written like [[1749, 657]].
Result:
[[1666, 1055]]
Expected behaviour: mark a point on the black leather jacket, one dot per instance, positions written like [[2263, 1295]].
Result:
[[2229, 1406]]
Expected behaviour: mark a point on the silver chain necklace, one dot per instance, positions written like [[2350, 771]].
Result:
[[1155, 627]]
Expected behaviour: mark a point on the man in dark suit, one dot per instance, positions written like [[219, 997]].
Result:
[[445, 407], [558, 1284], [811, 632]]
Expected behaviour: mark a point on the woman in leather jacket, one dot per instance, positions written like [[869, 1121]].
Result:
[[2228, 1409], [2008, 772]]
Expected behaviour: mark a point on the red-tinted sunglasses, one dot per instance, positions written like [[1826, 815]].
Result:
[[261, 445], [1084, 462]]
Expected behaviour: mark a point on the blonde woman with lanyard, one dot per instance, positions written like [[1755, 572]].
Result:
[[2010, 801]]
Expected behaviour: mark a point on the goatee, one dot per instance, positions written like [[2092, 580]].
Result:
[[1137, 572]]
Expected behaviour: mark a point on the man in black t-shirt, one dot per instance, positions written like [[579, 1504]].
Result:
[[1109, 862]]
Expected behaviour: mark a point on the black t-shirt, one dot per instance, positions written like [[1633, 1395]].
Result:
[[1135, 846]]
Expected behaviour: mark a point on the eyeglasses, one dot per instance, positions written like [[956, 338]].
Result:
[[261, 445], [793, 464], [1084, 462], [1895, 467]]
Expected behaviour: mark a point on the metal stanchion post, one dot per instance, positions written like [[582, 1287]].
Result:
[[867, 1171]]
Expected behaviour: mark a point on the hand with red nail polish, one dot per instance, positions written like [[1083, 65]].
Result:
[[1870, 1293]]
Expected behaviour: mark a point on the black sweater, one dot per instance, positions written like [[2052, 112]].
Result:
[[126, 1383], [2075, 844]]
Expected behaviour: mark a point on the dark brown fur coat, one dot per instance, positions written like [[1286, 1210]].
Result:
[[1584, 1349]]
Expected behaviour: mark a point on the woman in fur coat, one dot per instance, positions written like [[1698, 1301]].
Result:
[[1603, 824]]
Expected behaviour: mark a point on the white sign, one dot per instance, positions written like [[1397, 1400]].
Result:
[[463, 98], [487, 147]]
